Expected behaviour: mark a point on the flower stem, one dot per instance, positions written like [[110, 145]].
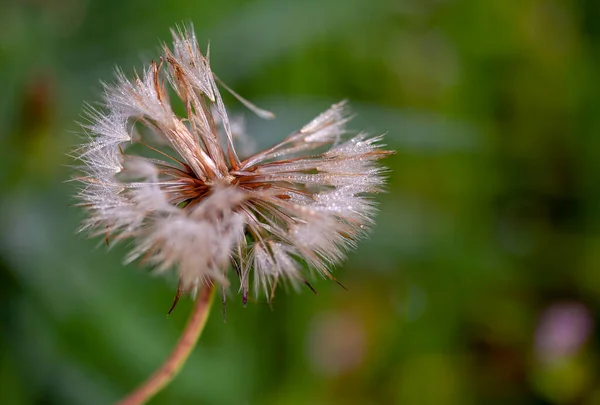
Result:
[[180, 354]]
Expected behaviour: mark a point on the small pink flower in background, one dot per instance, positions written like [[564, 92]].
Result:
[[563, 328], [337, 343]]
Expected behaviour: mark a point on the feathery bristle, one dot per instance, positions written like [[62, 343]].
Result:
[[196, 206]]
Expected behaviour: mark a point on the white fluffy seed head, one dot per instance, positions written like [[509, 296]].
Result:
[[179, 190]]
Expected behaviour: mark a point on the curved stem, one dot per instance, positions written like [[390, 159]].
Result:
[[180, 354]]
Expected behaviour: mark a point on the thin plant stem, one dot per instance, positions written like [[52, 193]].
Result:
[[180, 354]]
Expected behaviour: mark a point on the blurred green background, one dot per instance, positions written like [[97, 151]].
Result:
[[480, 283]]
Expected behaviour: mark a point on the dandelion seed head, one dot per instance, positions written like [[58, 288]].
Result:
[[176, 186]]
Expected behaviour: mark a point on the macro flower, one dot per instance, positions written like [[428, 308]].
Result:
[[159, 167]]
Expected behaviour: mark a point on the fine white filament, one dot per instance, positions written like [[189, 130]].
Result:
[[176, 186]]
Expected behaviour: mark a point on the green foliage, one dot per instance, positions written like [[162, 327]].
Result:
[[492, 215]]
